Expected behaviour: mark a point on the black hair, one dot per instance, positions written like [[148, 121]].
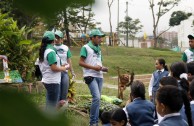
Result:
[[170, 96], [105, 117], [190, 67], [191, 88], [187, 107], [190, 37], [44, 43], [178, 68], [138, 89], [174, 98], [119, 115], [168, 81], [162, 62]]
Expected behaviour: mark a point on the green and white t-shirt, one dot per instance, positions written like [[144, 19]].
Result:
[[50, 57], [188, 55], [63, 52], [92, 58]]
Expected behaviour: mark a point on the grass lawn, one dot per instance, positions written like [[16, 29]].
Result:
[[141, 61]]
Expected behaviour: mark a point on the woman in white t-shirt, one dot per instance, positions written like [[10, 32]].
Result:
[[51, 69]]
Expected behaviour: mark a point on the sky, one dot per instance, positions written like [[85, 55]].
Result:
[[136, 9]]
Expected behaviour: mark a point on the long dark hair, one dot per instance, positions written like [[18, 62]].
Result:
[[44, 43], [162, 62], [138, 89], [178, 68]]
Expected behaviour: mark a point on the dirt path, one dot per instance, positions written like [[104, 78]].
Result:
[[145, 78]]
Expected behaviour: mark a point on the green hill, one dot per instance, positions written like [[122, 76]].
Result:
[[141, 61]]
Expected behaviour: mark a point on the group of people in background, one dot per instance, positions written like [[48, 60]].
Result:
[[171, 94], [170, 91], [171, 97], [54, 62]]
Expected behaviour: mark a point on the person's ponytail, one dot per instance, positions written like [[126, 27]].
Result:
[[166, 67], [45, 42], [184, 89], [187, 107]]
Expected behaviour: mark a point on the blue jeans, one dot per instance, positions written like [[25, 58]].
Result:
[[64, 86], [52, 95], [95, 89]]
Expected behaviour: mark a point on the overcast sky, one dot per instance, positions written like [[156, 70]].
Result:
[[136, 9]]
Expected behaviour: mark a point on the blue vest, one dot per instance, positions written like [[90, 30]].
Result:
[[157, 78], [173, 121], [141, 112]]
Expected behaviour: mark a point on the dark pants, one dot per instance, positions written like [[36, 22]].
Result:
[[52, 95]]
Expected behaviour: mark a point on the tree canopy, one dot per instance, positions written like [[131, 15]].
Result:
[[162, 7], [48, 8], [133, 26], [177, 17]]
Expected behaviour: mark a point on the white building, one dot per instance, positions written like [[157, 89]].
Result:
[[135, 43], [184, 29], [131, 43]]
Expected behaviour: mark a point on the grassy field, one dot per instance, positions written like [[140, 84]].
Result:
[[141, 61]]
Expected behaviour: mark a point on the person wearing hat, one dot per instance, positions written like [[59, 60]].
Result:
[[91, 62], [50, 67], [188, 55], [65, 57]]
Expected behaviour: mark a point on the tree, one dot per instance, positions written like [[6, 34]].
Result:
[[78, 15], [163, 6], [14, 44], [110, 2], [49, 10], [82, 18], [130, 25], [23, 18], [177, 17]]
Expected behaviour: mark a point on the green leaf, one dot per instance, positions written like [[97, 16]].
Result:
[[25, 42]]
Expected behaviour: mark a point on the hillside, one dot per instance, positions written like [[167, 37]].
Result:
[[141, 61]]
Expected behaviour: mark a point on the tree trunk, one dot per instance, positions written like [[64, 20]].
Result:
[[155, 38], [111, 36], [66, 28]]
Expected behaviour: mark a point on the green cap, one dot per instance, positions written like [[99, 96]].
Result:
[[96, 32], [50, 35], [59, 33], [191, 36]]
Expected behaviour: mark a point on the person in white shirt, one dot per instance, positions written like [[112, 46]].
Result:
[[64, 54]]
